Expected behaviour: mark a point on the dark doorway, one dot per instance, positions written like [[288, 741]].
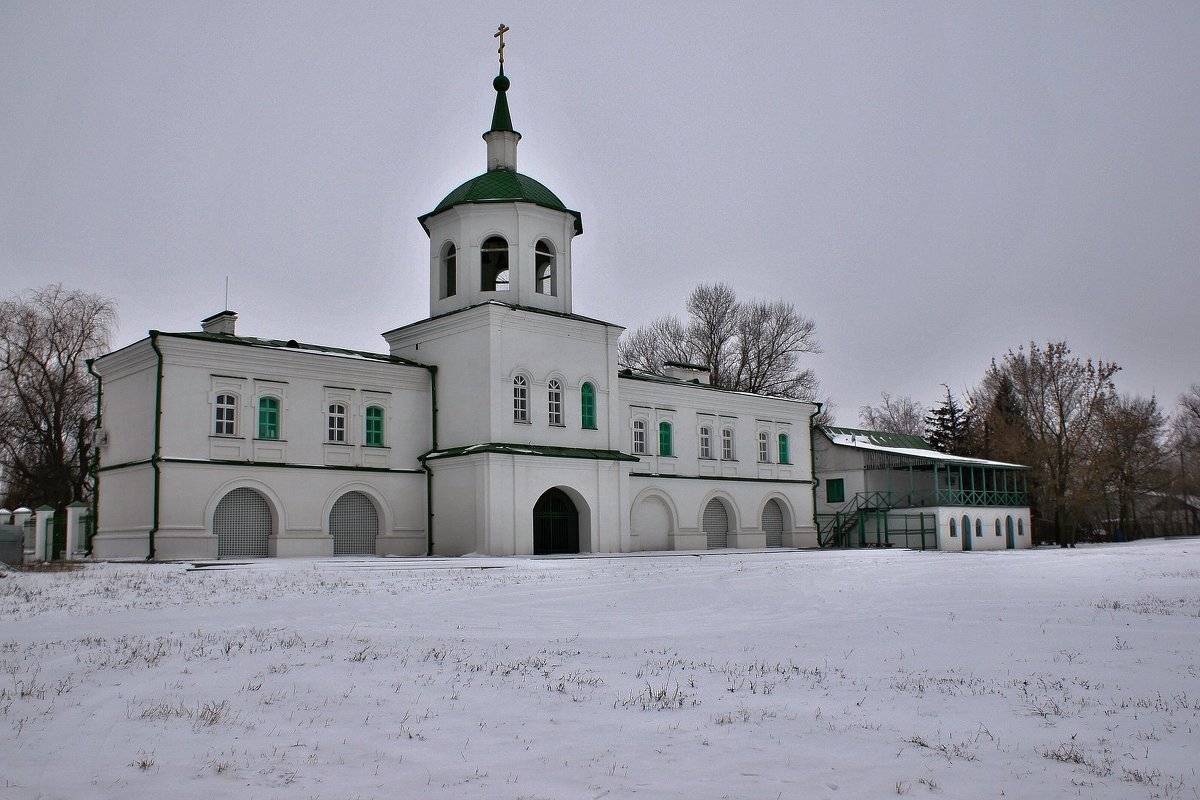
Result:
[[555, 524]]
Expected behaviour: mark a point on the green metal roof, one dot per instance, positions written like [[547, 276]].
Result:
[[502, 186], [544, 451], [883, 438]]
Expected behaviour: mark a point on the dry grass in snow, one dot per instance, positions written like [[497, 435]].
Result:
[[1044, 673]]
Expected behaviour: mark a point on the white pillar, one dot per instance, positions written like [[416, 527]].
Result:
[[42, 549], [75, 515], [19, 518], [5, 516]]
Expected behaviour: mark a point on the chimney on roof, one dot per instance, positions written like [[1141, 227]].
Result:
[[693, 373], [222, 322]]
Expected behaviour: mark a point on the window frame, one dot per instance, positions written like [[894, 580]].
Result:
[[838, 496], [554, 403], [639, 438], [520, 399], [270, 418], [706, 441], [784, 444], [335, 423], [373, 426], [494, 262], [545, 260], [666, 439], [587, 406], [727, 451], [449, 271], [225, 414], [764, 447]]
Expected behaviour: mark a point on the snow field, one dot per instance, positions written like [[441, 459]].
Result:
[[1045, 673]]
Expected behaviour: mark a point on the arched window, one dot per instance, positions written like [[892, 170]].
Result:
[[448, 270], [706, 442], [664, 439], [978, 527], [520, 399], [374, 427], [764, 447], [493, 259], [544, 264], [336, 429], [784, 456], [587, 406], [953, 528], [225, 419], [554, 401], [1020, 527], [639, 437], [997, 526], [268, 418], [727, 444]]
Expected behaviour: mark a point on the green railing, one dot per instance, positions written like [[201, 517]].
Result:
[[872, 519]]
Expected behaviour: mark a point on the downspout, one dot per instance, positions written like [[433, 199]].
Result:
[[425, 464], [94, 461], [154, 458], [812, 458]]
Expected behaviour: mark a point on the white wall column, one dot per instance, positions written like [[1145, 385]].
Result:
[[76, 512], [43, 532]]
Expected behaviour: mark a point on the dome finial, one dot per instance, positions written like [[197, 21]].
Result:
[[501, 119], [499, 34]]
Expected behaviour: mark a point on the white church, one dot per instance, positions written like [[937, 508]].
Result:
[[500, 425]]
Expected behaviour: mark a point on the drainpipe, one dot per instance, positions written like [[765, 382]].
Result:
[[154, 458], [94, 461], [812, 458], [425, 464]]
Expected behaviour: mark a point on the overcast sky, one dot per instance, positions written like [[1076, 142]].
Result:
[[933, 183]]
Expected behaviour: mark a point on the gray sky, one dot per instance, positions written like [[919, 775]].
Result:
[[933, 183]]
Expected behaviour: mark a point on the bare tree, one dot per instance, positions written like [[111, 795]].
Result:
[[1060, 401], [47, 399], [753, 346], [894, 415], [1130, 458]]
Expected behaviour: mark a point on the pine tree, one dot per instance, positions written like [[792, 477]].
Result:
[[948, 426]]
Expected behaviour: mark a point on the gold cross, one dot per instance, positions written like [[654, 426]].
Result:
[[499, 34]]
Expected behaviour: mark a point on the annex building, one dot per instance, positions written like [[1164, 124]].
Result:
[[499, 425]]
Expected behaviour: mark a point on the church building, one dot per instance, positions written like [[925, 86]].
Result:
[[501, 424]]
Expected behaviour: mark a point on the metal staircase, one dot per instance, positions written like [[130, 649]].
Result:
[[835, 532]]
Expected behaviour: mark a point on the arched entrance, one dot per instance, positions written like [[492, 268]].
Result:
[[651, 522], [716, 524], [1010, 540], [555, 524], [242, 524], [966, 532], [353, 524], [772, 523]]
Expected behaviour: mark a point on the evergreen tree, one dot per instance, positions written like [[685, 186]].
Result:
[[948, 426]]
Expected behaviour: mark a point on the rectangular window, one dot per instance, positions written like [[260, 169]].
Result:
[[520, 399], [374, 429], [587, 406], [337, 423], [555, 403], [639, 437], [664, 439], [706, 442], [727, 444], [268, 418], [225, 415], [764, 447], [784, 456], [835, 490]]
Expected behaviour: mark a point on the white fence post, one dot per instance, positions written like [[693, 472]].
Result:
[[19, 518], [43, 536], [76, 513]]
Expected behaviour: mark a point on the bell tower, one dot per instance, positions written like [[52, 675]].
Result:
[[501, 236]]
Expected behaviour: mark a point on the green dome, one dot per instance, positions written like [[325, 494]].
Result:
[[500, 186]]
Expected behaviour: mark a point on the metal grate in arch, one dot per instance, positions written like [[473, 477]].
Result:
[[353, 524], [242, 524], [716, 524], [772, 523]]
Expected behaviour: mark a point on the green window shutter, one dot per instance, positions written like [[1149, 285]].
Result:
[[835, 490], [784, 456], [374, 432], [268, 418], [587, 405], [664, 439]]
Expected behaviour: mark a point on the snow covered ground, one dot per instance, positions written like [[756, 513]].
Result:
[[1045, 673]]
